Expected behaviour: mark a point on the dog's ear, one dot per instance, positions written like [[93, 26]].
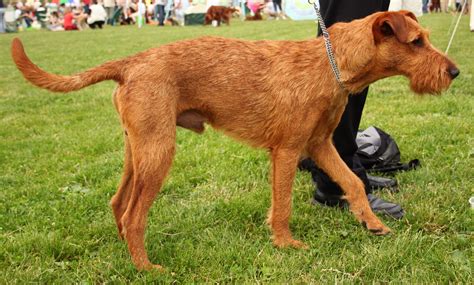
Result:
[[391, 24], [408, 14]]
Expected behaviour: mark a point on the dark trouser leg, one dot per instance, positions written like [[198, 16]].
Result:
[[161, 14], [344, 141], [344, 136], [2, 23]]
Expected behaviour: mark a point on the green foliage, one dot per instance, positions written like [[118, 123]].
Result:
[[61, 160]]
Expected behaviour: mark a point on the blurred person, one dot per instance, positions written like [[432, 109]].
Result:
[[97, 16], [36, 4], [269, 9], [25, 14], [55, 23], [180, 7], [62, 8], [471, 24], [150, 9], [255, 6], [278, 9], [425, 6], [160, 11], [445, 5], [109, 6], [127, 18], [80, 18], [2, 20], [140, 10], [68, 20], [435, 6], [18, 6], [85, 5], [122, 6]]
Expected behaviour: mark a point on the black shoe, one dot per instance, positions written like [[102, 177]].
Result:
[[377, 205], [381, 206], [377, 182]]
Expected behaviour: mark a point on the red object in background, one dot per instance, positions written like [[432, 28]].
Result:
[[68, 22]]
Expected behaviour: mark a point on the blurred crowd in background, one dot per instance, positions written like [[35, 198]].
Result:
[[67, 15]]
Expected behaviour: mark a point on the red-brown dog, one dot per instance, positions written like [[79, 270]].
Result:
[[277, 95], [219, 14]]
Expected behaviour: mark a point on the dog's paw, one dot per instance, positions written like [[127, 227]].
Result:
[[289, 242], [381, 231], [377, 228], [150, 267]]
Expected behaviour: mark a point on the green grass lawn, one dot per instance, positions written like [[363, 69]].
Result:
[[61, 161]]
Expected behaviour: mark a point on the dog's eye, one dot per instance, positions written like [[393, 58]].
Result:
[[418, 42]]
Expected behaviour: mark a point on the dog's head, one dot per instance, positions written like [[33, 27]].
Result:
[[402, 46], [231, 11]]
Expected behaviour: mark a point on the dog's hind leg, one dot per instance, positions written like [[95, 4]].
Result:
[[120, 200], [327, 158], [152, 158], [150, 121], [284, 163]]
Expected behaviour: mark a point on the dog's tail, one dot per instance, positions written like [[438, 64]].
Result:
[[58, 83]]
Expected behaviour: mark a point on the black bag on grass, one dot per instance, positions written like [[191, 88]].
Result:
[[378, 152]]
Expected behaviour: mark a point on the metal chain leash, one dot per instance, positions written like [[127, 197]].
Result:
[[327, 42]]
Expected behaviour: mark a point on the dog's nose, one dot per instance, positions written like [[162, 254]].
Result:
[[454, 72]]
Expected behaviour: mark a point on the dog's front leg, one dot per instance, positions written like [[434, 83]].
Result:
[[284, 162], [327, 158]]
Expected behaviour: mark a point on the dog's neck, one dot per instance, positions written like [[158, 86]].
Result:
[[357, 65]]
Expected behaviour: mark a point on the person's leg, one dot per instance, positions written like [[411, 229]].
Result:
[[2, 21], [327, 191], [110, 14], [28, 22], [425, 6], [472, 18], [280, 13], [92, 25], [277, 6], [161, 14], [344, 141], [100, 24], [155, 13]]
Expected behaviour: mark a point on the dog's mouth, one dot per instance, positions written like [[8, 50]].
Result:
[[433, 85]]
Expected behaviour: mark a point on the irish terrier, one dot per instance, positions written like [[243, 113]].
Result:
[[276, 95]]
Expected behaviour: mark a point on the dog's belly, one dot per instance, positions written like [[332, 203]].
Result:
[[264, 123]]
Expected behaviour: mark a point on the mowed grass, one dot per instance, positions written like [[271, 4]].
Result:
[[61, 161]]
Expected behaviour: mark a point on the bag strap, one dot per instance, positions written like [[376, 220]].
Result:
[[411, 165]]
